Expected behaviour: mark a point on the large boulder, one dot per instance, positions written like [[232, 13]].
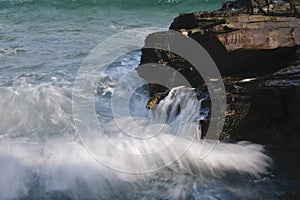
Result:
[[246, 38]]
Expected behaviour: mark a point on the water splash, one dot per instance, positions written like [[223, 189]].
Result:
[[42, 159]]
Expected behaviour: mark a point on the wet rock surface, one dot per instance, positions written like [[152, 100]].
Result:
[[255, 44], [264, 109]]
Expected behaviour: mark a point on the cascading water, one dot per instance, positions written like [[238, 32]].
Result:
[[42, 158]]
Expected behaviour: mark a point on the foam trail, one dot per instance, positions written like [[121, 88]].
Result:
[[33, 108]]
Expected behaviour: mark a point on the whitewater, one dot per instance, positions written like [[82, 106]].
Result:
[[43, 157], [154, 154]]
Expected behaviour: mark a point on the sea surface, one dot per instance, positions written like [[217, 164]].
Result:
[[43, 152]]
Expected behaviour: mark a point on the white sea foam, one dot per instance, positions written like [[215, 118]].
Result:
[[33, 108], [55, 161]]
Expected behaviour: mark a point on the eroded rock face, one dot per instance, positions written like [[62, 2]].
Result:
[[267, 38], [246, 38]]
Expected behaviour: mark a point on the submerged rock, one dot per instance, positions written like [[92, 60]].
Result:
[[245, 38]]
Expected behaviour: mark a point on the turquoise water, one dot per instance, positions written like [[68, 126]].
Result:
[[42, 46], [42, 37]]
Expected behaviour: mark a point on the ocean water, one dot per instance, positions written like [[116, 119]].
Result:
[[43, 44]]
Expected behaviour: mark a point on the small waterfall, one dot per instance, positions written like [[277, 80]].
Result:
[[181, 110]]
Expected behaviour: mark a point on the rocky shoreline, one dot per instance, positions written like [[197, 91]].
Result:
[[255, 44]]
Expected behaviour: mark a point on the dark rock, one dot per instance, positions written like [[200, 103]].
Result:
[[245, 38], [228, 35], [265, 110]]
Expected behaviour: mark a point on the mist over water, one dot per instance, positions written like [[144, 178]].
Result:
[[42, 44]]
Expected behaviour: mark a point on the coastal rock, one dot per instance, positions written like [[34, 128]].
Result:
[[259, 39], [267, 39]]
